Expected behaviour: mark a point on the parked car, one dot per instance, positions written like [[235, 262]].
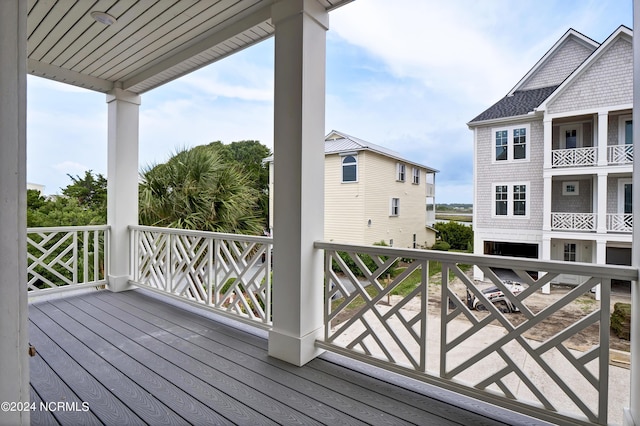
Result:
[[497, 297]]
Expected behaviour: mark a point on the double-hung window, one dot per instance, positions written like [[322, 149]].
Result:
[[400, 172], [511, 143], [510, 199], [350, 168], [395, 207], [416, 176]]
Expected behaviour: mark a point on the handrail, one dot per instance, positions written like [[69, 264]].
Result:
[[66, 258], [476, 353], [227, 273]]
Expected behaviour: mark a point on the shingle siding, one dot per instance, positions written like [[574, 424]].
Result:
[[489, 173], [581, 203], [608, 81], [559, 66]]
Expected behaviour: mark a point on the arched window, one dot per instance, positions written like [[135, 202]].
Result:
[[350, 168]]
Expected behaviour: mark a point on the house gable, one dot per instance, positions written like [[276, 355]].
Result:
[[561, 60], [605, 79], [543, 79]]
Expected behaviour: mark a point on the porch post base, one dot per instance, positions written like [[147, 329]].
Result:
[[118, 284], [295, 350], [627, 418]]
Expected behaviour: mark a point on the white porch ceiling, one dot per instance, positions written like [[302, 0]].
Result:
[[151, 43]]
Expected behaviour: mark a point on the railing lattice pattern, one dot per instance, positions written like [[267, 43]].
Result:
[[574, 157], [620, 154], [573, 221]]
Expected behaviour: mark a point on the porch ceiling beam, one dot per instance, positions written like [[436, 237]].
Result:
[[208, 40], [74, 78]]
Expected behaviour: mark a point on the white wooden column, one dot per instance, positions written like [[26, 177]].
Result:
[[547, 199], [632, 415], [299, 105], [547, 142], [546, 255], [603, 129], [122, 182], [14, 339], [601, 202]]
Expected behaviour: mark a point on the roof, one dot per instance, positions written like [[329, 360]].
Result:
[[520, 103], [338, 142], [146, 45]]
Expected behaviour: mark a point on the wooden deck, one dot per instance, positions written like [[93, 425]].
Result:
[[132, 358]]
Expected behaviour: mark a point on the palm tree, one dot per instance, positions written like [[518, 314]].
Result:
[[197, 189]]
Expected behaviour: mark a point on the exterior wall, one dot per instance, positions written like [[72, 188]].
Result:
[[381, 186], [488, 173], [581, 203], [608, 81], [559, 66], [344, 202]]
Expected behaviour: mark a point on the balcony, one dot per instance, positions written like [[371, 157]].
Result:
[[573, 222], [587, 222], [581, 157], [189, 344]]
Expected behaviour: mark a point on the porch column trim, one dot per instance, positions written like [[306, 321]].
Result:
[[601, 202], [122, 182], [14, 338], [299, 110], [603, 129]]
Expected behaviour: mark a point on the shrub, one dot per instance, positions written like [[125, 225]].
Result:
[[459, 237], [441, 245]]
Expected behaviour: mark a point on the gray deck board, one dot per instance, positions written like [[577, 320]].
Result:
[[136, 359]]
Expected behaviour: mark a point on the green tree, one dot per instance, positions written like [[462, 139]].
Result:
[[199, 189], [90, 190], [458, 236]]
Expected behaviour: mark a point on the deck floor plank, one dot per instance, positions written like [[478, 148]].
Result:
[[102, 404], [134, 353], [212, 383], [368, 405], [40, 416], [133, 363], [215, 360]]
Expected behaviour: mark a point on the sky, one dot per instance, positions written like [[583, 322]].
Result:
[[407, 77]]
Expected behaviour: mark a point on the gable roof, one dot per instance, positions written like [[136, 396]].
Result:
[[622, 32], [338, 142], [570, 37], [550, 71]]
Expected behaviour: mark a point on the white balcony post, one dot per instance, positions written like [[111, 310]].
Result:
[[632, 415], [299, 109], [547, 207], [14, 339], [603, 129], [601, 203], [548, 143], [122, 182], [546, 255]]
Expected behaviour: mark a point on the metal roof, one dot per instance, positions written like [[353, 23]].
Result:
[[337, 142], [151, 42]]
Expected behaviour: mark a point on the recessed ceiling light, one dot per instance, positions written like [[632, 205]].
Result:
[[103, 18]]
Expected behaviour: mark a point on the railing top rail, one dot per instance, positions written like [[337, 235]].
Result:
[[555, 266], [68, 228], [215, 235]]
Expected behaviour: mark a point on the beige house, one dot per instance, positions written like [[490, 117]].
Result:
[[372, 194]]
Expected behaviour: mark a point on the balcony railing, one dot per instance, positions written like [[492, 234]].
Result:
[[66, 258], [574, 157], [433, 335], [230, 274], [573, 221], [620, 154], [619, 222]]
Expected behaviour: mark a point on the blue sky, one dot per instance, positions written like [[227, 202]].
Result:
[[407, 81]]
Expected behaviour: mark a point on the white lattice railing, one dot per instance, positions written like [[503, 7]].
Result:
[[573, 221], [66, 258], [228, 273], [620, 154], [619, 222], [574, 157], [430, 333]]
